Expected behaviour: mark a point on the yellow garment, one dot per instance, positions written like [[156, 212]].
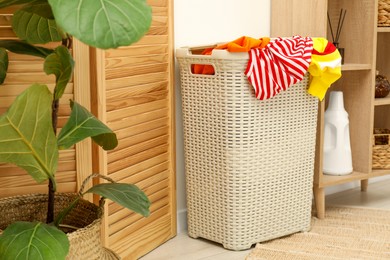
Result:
[[325, 67]]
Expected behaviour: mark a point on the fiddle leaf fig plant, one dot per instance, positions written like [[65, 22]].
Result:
[[28, 130], [26, 136]]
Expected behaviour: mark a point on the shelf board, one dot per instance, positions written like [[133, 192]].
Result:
[[383, 29], [330, 180], [355, 66], [382, 101], [379, 172]]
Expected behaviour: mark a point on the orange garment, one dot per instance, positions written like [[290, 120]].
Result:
[[242, 44]]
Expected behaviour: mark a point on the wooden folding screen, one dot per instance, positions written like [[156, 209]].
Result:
[[135, 98], [132, 91]]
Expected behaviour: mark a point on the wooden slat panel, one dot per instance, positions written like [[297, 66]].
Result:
[[17, 181], [158, 30], [133, 221], [156, 231], [7, 170], [136, 70], [82, 94], [159, 3], [13, 90], [160, 21], [152, 40], [159, 11], [137, 147], [28, 78], [7, 101], [20, 66], [136, 100], [138, 171], [131, 92], [142, 135], [136, 158], [121, 114], [137, 51], [6, 32], [157, 174], [139, 119], [136, 80], [11, 170], [5, 20], [119, 62], [117, 229]]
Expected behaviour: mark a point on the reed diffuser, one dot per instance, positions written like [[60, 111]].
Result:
[[336, 37]]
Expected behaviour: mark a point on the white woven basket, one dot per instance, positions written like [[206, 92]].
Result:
[[249, 163]]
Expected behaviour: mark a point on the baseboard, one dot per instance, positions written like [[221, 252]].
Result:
[[181, 221]]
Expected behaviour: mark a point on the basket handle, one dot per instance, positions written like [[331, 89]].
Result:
[[102, 200], [86, 180], [187, 52]]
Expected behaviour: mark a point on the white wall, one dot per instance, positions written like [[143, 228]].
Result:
[[205, 22]]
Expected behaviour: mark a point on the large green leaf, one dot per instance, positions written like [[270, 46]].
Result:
[[103, 23], [126, 195], [33, 241], [83, 124], [61, 64], [34, 28], [21, 47], [3, 64], [26, 134]]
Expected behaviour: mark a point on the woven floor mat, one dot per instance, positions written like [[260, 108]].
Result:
[[344, 233]]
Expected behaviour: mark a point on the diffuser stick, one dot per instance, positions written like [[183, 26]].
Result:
[[341, 26], [338, 25], [331, 29]]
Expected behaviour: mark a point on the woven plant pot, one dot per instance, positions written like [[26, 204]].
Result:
[[85, 242]]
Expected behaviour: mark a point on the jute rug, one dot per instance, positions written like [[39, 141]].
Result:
[[345, 233]]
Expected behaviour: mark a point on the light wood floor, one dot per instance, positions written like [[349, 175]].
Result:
[[183, 247]]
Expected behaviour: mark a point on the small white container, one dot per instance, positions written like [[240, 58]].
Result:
[[337, 147]]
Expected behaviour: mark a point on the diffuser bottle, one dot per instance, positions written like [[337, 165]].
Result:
[[337, 148]]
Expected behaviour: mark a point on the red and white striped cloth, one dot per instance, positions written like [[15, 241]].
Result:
[[282, 63]]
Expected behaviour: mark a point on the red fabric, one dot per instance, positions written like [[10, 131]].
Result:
[[281, 64]]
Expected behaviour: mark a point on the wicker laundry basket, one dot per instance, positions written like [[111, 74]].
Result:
[[249, 163]]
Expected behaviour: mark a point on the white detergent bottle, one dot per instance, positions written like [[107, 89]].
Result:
[[337, 147]]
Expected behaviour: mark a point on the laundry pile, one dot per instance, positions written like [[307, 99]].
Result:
[[276, 64]]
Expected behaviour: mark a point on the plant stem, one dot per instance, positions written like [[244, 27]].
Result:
[[54, 118], [50, 205], [51, 188], [54, 115]]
